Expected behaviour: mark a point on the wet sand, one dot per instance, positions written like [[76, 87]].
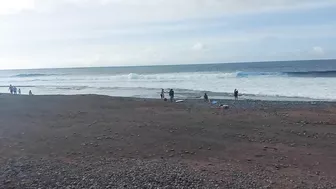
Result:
[[90, 141]]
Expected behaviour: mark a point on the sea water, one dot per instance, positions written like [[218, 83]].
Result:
[[292, 80]]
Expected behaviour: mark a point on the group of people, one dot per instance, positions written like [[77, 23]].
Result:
[[206, 97], [14, 90], [171, 95]]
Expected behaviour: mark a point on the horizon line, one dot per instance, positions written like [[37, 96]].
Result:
[[156, 65]]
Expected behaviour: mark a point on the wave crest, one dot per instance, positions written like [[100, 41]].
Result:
[[33, 75], [331, 73], [248, 74]]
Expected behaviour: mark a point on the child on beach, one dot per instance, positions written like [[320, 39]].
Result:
[[162, 94]]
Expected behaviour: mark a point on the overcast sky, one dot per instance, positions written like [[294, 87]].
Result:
[[76, 33]]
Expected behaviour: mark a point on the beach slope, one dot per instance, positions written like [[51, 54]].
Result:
[[90, 141]]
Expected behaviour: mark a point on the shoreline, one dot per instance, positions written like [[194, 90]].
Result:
[[196, 100], [154, 93]]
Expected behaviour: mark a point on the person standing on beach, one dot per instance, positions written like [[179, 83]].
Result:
[[162, 94], [235, 93], [30, 93], [19, 91], [15, 90], [206, 98], [171, 94], [10, 89]]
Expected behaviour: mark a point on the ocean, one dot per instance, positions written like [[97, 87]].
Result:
[[291, 80]]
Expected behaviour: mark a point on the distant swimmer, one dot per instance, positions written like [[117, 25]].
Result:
[[206, 98], [235, 93], [171, 95], [162, 94]]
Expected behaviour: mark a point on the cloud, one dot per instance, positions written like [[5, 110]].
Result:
[[198, 47], [15, 6], [134, 32], [319, 51], [154, 10]]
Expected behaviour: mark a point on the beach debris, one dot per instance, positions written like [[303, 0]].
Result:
[[93, 123], [179, 101], [224, 106], [7, 181]]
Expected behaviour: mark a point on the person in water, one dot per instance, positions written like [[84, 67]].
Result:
[[171, 95], [206, 98], [162, 94], [235, 93]]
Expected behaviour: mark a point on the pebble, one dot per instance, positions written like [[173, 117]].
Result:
[[118, 173]]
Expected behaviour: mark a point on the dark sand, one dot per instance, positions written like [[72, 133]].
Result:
[[104, 142]]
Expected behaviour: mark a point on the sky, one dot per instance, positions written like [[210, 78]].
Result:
[[81, 33]]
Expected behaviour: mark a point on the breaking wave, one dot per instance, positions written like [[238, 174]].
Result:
[[176, 76]]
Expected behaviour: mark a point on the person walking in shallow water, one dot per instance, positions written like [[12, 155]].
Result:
[[171, 95], [235, 94]]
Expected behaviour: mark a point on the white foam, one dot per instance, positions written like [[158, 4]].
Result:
[[174, 76], [144, 85]]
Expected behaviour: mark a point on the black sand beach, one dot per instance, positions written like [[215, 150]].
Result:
[[90, 141]]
